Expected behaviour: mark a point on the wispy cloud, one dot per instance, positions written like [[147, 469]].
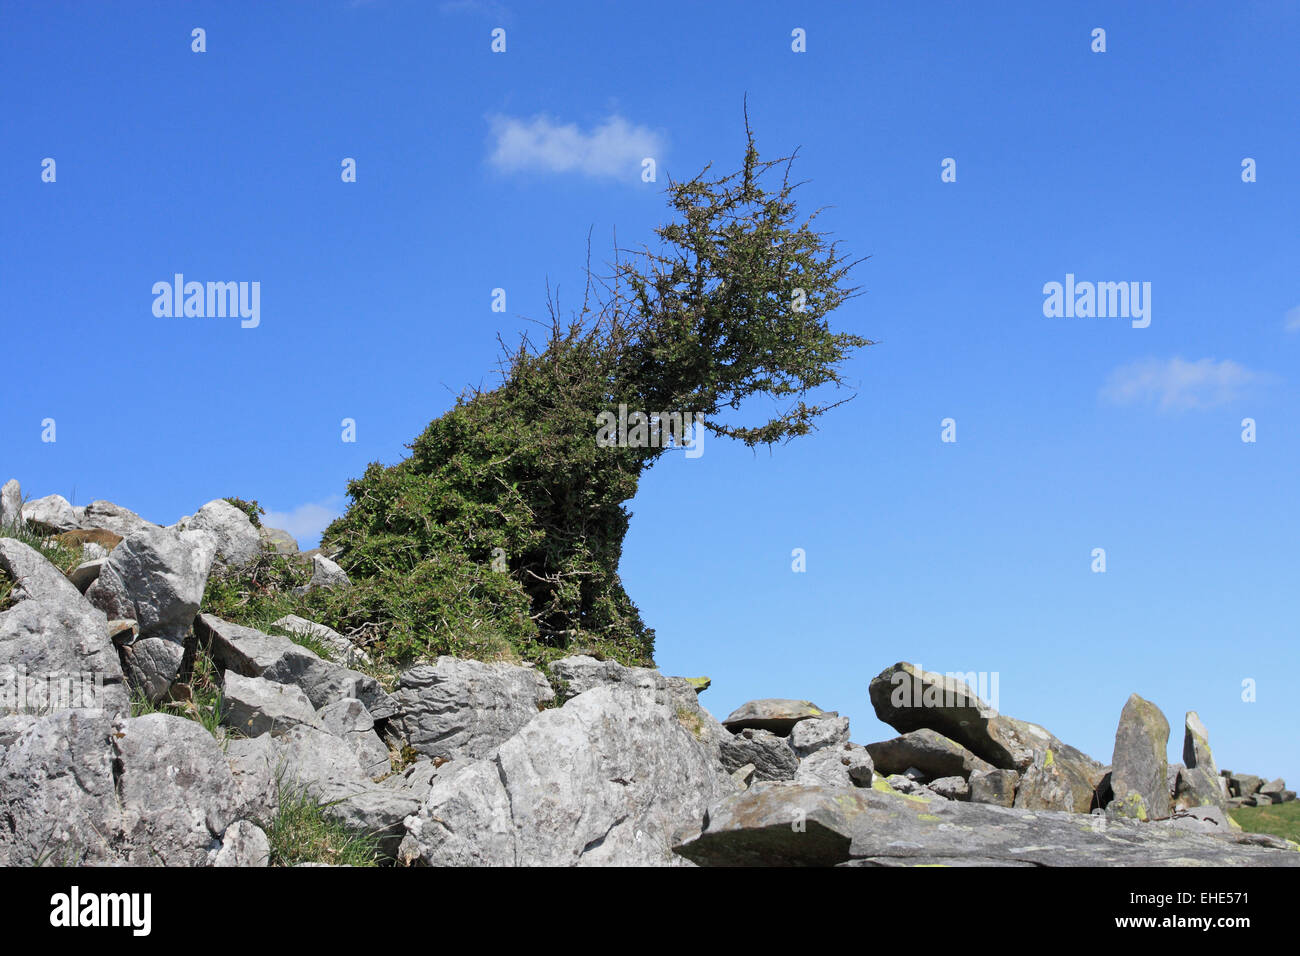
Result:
[[307, 521], [614, 148], [1293, 320], [1178, 385]]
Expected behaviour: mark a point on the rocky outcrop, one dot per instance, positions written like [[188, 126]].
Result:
[[81, 787], [613, 776], [155, 577]]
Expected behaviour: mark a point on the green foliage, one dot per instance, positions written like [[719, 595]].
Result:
[[62, 557], [250, 508], [259, 594], [502, 532], [1281, 819], [301, 832]]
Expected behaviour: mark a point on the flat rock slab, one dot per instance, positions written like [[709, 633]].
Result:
[[776, 715], [774, 824], [928, 751]]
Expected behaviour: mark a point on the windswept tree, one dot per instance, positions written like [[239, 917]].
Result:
[[501, 534]]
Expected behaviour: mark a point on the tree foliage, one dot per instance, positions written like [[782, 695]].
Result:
[[501, 533]]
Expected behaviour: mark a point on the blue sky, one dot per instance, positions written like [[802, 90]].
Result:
[[479, 170]]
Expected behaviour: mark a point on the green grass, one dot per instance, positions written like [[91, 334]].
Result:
[[65, 559], [204, 703], [1281, 819], [302, 833]]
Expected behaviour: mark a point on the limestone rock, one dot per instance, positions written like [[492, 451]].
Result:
[[809, 736], [326, 574], [612, 777], [464, 708], [1198, 783], [349, 720], [11, 504], [1140, 765], [341, 649], [80, 787], [840, 765], [769, 754], [932, 753], [244, 844], [113, 518], [255, 706], [277, 540], [52, 513], [773, 714], [325, 682], [874, 827], [155, 577], [996, 787], [244, 650], [55, 651], [237, 542]]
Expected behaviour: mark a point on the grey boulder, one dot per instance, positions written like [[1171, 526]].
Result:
[[51, 513], [237, 542], [114, 518], [613, 777], [80, 787], [55, 649], [349, 720], [255, 706], [840, 765], [777, 715], [930, 752], [155, 577], [465, 708], [770, 755], [809, 736], [1139, 769], [996, 787], [11, 504], [1198, 783]]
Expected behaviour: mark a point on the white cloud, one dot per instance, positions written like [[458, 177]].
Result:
[[306, 522], [614, 148], [1293, 320], [1176, 384]]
